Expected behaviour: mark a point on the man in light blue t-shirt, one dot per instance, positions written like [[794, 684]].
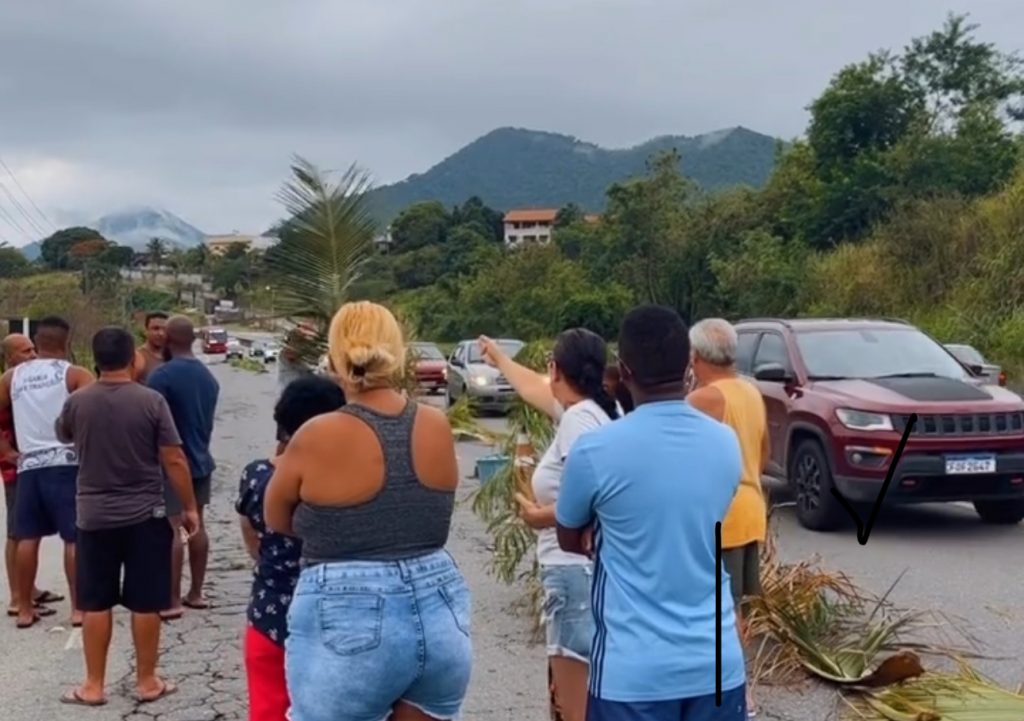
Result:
[[653, 485]]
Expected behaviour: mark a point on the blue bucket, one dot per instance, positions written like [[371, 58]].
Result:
[[488, 466]]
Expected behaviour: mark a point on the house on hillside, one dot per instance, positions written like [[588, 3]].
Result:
[[218, 245], [528, 226]]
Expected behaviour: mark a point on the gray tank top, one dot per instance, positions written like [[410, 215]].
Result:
[[404, 520]]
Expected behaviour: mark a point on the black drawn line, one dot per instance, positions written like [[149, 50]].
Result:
[[718, 614], [864, 529]]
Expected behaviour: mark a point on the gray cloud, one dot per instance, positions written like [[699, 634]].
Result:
[[197, 106]]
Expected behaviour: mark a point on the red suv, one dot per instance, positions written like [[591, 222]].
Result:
[[839, 394]]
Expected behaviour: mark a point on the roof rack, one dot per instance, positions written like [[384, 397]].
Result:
[[765, 319], [787, 322]]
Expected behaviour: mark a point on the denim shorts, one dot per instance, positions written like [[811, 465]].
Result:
[[568, 620], [363, 636]]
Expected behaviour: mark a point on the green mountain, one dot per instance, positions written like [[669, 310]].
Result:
[[512, 167]]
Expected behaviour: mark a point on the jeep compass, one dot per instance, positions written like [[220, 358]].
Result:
[[839, 394]]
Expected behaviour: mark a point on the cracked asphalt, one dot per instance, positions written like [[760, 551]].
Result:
[[951, 563]]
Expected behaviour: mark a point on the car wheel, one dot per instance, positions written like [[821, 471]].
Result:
[[811, 478], [1007, 513]]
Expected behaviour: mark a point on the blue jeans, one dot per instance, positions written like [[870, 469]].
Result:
[[702, 708], [363, 636], [568, 619]]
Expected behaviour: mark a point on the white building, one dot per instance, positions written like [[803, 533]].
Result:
[[528, 226]]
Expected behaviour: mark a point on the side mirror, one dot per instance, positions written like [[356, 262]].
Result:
[[772, 373], [976, 369], [456, 362]]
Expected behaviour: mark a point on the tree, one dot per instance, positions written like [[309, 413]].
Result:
[[329, 241], [418, 226], [569, 215], [156, 250], [119, 256], [197, 258], [486, 221], [13, 262], [87, 250], [55, 250]]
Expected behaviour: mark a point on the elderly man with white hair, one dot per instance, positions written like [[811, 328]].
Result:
[[722, 394]]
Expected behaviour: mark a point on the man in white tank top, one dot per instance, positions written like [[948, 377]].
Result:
[[35, 393]]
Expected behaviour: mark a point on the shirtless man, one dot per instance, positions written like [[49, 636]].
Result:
[[35, 392], [150, 355], [17, 349]]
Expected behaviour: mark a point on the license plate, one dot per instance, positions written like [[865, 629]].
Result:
[[973, 464]]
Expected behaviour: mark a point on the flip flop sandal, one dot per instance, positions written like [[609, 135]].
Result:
[[169, 689], [74, 698], [35, 619], [47, 597], [41, 610], [195, 606]]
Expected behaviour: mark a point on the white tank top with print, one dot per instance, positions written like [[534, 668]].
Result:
[[38, 391]]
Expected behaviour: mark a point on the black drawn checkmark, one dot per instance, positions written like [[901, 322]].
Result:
[[864, 529]]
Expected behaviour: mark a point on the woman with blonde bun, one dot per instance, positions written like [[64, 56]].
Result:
[[380, 623]]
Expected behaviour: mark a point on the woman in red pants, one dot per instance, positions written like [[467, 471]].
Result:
[[276, 556]]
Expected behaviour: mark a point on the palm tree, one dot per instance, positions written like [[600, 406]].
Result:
[[327, 238], [156, 249]]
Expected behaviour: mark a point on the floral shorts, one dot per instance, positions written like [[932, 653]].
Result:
[[568, 620]]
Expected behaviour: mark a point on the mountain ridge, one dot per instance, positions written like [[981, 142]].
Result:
[[519, 167], [134, 226]]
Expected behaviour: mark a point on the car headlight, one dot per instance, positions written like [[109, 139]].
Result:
[[480, 381], [864, 420]]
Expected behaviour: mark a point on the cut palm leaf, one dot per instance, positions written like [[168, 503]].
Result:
[[961, 696]]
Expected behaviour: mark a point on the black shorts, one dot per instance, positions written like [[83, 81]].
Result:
[[44, 504], [201, 486], [143, 550], [743, 564]]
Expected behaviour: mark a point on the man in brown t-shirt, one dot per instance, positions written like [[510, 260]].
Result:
[[126, 440]]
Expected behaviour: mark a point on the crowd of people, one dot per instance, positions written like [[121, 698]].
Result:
[[357, 611], [116, 461]]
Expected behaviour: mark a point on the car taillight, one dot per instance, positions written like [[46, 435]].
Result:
[[1002, 378]]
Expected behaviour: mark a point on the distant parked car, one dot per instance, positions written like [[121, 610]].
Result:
[[266, 352], [469, 375], [214, 340], [235, 349], [431, 367], [976, 363]]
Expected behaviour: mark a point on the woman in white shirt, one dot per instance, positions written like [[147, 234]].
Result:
[[574, 395]]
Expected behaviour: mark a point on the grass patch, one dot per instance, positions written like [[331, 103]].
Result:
[[248, 364]]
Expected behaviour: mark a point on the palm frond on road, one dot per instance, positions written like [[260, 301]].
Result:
[[961, 696]]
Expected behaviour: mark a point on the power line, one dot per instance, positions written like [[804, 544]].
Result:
[[13, 223], [25, 193], [21, 209]]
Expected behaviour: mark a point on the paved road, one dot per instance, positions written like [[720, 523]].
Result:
[[952, 563]]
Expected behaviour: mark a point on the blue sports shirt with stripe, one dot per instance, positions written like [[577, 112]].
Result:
[[654, 484]]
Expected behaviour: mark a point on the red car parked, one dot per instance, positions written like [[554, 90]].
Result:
[[431, 367], [839, 394]]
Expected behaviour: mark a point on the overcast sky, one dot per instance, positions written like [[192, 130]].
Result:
[[196, 106]]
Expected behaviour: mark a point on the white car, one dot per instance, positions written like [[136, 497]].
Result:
[[235, 349], [266, 352]]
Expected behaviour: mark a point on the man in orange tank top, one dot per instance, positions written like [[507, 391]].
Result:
[[721, 393]]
